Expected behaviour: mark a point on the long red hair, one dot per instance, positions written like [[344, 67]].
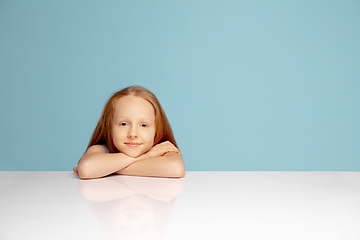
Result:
[[102, 133]]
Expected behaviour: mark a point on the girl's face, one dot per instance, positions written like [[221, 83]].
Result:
[[133, 126]]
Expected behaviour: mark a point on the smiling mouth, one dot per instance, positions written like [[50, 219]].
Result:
[[133, 144]]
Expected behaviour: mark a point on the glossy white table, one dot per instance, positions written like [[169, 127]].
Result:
[[203, 205]]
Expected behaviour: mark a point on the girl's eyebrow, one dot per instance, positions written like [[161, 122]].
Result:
[[147, 119], [126, 117]]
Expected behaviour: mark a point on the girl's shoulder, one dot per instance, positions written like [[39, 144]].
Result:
[[97, 148]]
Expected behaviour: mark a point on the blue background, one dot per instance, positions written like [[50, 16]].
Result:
[[246, 85]]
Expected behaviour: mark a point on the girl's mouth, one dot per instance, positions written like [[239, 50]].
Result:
[[132, 144]]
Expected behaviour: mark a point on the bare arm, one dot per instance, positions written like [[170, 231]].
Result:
[[162, 160], [96, 163], [169, 165]]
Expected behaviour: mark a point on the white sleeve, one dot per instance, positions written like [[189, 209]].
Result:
[[106, 148]]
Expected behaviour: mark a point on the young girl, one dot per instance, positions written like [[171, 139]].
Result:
[[132, 137]]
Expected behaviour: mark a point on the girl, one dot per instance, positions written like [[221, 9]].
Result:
[[132, 137]]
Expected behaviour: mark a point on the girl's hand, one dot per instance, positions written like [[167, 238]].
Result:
[[75, 169], [161, 149]]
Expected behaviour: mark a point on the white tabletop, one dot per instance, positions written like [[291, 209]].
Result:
[[203, 205]]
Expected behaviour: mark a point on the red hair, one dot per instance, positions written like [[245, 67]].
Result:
[[102, 133]]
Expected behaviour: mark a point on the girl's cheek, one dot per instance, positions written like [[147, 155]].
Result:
[[148, 148]]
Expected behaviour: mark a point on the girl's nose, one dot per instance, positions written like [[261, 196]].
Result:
[[132, 132]]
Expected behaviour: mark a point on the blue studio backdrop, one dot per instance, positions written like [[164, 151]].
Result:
[[246, 85]]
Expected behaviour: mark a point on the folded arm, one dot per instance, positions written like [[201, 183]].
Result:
[[169, 165], [163, 160], [96, 163]]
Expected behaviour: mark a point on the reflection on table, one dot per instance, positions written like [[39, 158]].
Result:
[[129, 207], [212, 205]]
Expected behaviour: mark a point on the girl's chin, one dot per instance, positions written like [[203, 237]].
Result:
[[131, 154]]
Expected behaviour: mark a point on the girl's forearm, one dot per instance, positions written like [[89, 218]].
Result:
[[102, 164], [169, 165]]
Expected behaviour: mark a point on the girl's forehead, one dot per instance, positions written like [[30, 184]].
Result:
[[134, 106]]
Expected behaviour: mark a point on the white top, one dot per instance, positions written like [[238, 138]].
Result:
[[106, 148]]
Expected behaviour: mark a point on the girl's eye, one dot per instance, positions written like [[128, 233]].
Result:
[[144, 125], [123, 124]]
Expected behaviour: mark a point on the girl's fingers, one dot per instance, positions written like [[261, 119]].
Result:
[[175, 151], [166, 147], [172, 151]]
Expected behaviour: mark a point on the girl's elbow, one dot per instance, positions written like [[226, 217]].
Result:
[[181, 174], [84, 177], [84, 171], [179, 170], [83, 174]]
